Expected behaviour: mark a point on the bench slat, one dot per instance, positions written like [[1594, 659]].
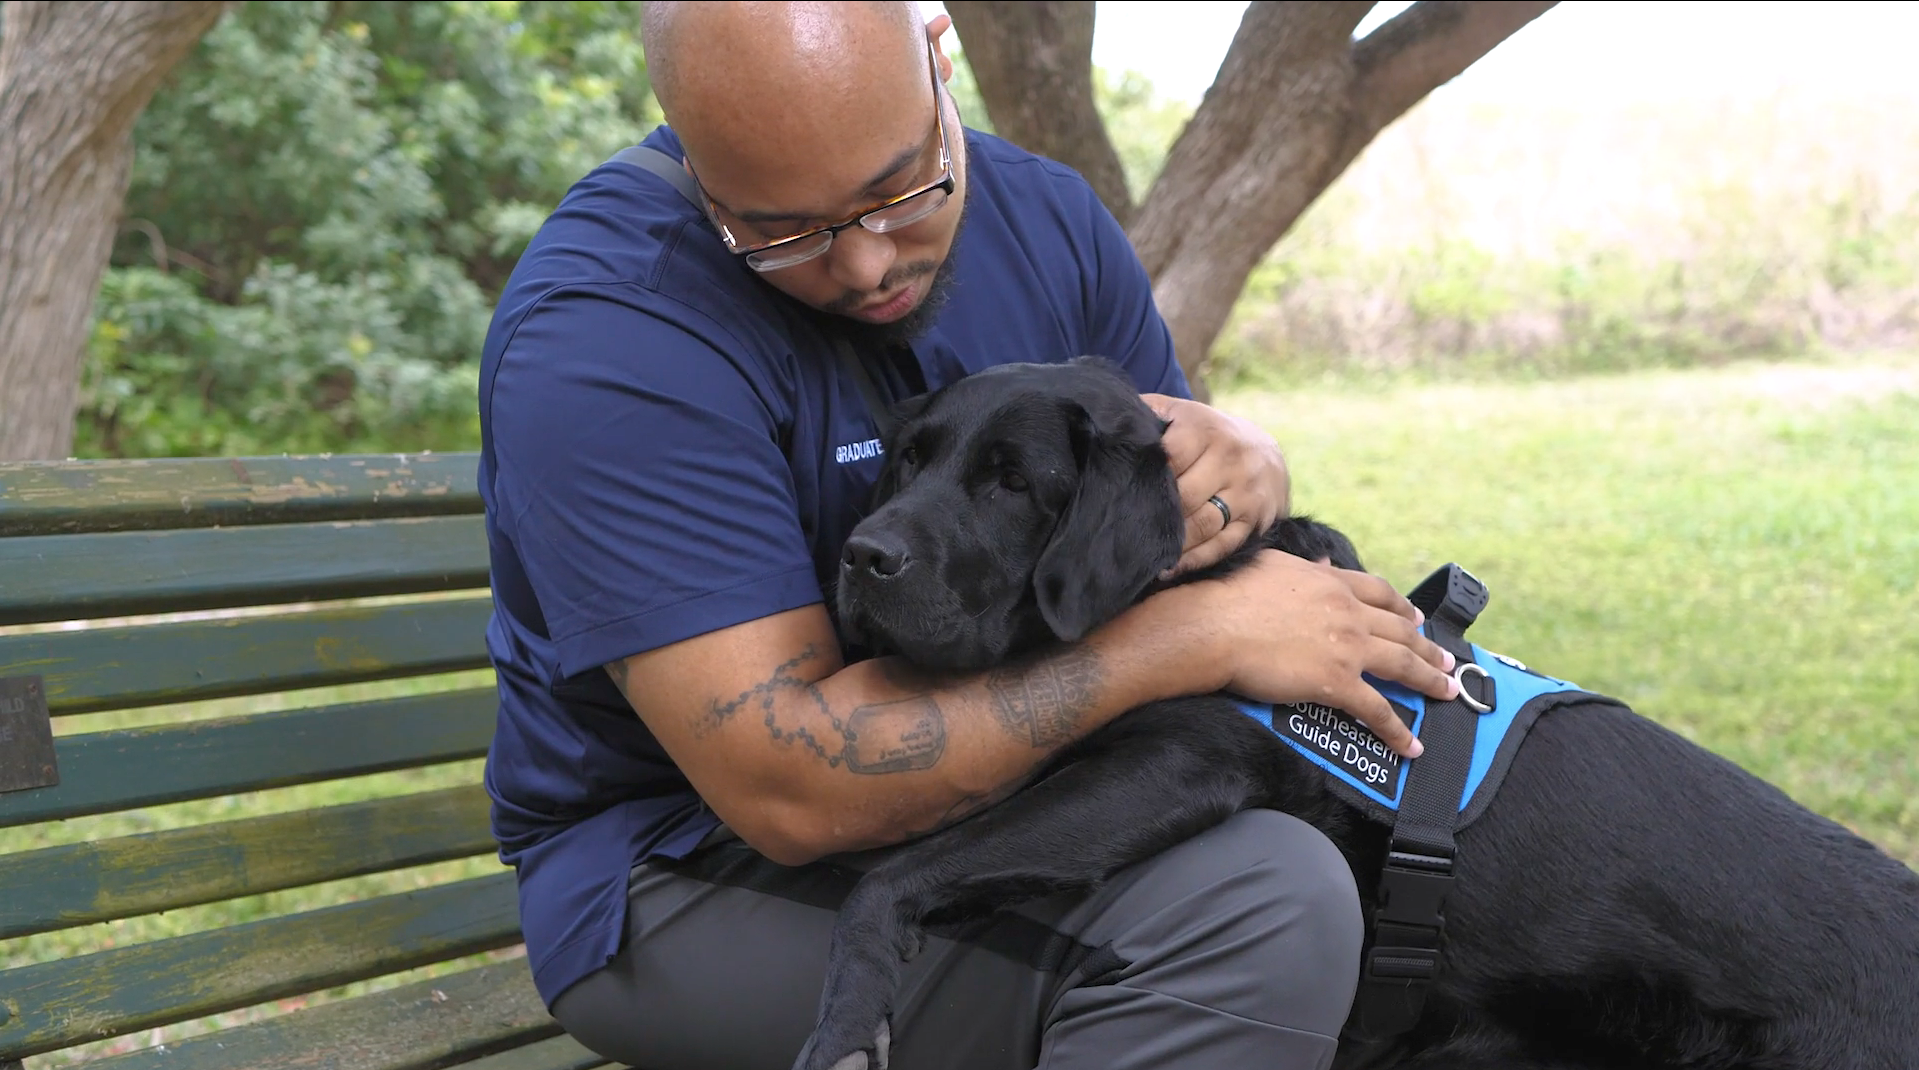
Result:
[[49, 497], [65, 577], [103, 772], [420, 1026], [82, 883], [559, 1053], [189, 661], [119, 991]]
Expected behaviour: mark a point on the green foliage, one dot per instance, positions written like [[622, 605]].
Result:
[[326, 200], [1142, 124]]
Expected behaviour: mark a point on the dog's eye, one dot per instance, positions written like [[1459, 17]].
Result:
[[910, 456], [1013, 481]]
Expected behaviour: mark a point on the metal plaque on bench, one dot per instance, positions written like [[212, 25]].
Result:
[[26, 735]]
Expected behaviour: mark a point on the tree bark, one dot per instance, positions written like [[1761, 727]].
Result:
[[1033, 61], [1295, 102], [74, 76]]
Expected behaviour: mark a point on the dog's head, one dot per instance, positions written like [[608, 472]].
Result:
[[1025, 503]]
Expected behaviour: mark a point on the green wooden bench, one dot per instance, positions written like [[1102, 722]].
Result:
[[313, 554]]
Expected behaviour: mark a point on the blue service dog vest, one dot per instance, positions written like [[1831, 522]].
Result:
[[1469, 742], [1366, 773]]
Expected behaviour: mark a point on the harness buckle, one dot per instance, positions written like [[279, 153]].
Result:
[[1413, 887], [1451, 594], [1408, 925]]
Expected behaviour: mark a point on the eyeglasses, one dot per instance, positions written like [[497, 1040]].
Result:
[[895, 214]]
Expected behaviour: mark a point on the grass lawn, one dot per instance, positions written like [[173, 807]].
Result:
[[1734, 551]]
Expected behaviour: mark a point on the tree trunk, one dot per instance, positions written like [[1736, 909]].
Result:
[[73, 78], [1295, 102], [1033, 62]]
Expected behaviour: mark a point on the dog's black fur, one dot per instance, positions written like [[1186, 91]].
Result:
[[1629, 900]]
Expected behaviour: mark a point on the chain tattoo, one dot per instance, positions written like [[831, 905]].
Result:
[[884, 737], [1040, 703]]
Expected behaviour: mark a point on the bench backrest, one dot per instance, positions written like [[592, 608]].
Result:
[[374, 569]]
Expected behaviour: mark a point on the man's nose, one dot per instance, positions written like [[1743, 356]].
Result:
[[881, 554], [860, 259]]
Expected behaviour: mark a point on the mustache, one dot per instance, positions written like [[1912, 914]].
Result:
[[901, 274]]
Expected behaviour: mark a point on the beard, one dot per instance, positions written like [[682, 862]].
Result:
[[903, 331]]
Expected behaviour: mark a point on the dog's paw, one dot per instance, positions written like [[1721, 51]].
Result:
[[817, 1051]]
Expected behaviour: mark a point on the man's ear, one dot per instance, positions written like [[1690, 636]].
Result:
[[1121, 529]]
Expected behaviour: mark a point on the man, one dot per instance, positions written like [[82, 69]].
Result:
[[688, 767]]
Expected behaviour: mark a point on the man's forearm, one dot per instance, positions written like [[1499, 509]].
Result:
[[878, 752]]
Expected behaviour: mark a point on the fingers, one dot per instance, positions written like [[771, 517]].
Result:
[[1205, 522], [1376, 592], [1373, 711], [1210, 551], [1392, 661], [1398, 663], [1185, 439], [1407, 634]]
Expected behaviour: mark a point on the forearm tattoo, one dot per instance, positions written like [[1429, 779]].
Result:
[[883, 737], [1043, 702]]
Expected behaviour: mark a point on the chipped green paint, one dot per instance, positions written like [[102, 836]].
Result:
[[149, 664], [50, 497], [432, 1023], [82, 883], [123, 990], [109, 538], [105, 772], [65, 577]]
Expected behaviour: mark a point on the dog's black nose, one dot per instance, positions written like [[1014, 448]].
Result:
[[882, 555]]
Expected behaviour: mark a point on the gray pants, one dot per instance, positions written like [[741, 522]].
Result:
[[1238, 948]]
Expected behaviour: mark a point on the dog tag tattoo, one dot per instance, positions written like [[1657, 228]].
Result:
[[26, 735]]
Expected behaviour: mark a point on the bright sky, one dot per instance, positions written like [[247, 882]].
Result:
[[1584, 51]]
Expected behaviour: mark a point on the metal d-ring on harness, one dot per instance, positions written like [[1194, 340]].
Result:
[[1409, 922]]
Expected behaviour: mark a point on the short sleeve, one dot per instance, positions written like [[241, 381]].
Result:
[[1122, 320], [641, 480]]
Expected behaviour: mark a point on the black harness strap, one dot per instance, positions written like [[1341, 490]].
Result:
[[656, 162], [1409, 920]]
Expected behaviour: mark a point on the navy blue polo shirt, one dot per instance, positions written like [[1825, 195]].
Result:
[[669, 448]]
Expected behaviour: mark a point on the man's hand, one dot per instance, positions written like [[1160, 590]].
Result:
[[1213, 455], [1299, 631]]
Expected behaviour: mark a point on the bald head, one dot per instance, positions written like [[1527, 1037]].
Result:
[[796, 116], [706, 57]]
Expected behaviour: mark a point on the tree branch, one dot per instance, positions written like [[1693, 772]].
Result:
[[103, 59], [1419, 50], [1263, 135], [1033, 62]]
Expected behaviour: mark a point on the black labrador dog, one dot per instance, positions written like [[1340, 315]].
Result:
[[1627, 900]]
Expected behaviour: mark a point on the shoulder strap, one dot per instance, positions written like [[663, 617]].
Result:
[[653, 160], [876, 405]]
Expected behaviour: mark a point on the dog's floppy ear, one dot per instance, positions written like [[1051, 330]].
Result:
[[1123, 526], [901, 413]]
